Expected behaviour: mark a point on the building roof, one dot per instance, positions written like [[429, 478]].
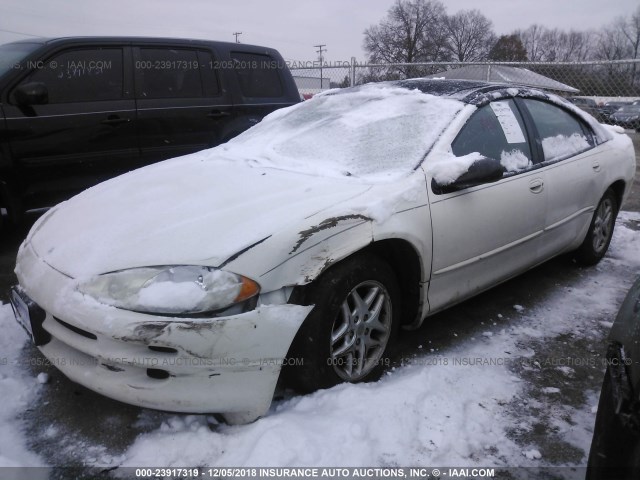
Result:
[[505, 74]]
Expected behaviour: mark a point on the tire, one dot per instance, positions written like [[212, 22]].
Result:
[[615, 447], [596, 243], [348, 335]]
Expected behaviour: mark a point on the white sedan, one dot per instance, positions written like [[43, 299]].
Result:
[[307, 241]]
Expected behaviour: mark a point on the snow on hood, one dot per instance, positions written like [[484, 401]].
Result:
[[377, 132], [184, 211]]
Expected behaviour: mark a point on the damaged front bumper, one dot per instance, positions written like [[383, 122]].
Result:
[[227, 365]]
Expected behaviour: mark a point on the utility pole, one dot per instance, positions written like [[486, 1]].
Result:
[[320, 51], [236, 34]]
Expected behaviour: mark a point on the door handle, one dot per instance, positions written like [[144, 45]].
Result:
[[536, 185], [596, 166], [218, 114], [115, 120]]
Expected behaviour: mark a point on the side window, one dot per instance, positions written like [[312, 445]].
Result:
[[85, 75], [168, 73], [257, 75], [562, 134], [496, 131]]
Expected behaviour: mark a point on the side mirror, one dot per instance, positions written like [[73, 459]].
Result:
[[484, 170], [32, 93]]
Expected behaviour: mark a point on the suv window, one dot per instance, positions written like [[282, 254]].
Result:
[[496, 131], [562, 134], [85, 75], [257, 75], [169, 73]]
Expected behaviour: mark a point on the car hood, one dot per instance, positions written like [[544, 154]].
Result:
[[183, 211]]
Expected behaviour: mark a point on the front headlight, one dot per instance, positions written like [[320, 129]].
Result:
[[176, 290]]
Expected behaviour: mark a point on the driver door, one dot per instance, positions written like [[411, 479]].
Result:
[[486, 234]]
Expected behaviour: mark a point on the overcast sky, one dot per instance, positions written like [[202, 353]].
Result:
[[293, 27]]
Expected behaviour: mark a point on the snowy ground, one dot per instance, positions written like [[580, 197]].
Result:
[[514, 387]]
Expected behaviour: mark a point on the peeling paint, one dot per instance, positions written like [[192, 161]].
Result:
[[325, 225], [145, 332]]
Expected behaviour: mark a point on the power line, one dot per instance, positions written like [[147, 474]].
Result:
[[319, 52], [20, 33], [236, 34]]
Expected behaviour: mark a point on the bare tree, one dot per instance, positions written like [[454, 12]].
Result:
[[553, 45], [413, 31], [611, 44], [631, 32], [531, 40], [469, 35]]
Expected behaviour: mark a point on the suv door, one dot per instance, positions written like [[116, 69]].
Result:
[[182, 107], [486, 234], [81, 132]]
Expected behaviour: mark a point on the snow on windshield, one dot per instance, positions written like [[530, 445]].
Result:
[[375, 132]]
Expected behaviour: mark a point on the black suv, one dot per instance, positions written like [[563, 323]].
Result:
[[77, 111]]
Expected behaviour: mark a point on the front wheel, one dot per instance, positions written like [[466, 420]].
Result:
[[347, 336], [600, 232]]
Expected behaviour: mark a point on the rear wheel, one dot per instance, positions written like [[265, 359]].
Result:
[[600, 232], [347, 336]]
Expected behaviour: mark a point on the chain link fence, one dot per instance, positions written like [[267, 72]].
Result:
[[597, 83]]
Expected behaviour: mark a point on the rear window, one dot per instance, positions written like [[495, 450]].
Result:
[[257, 74], [562, 134]]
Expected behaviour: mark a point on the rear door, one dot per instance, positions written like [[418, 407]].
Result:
[[84, 133], [572, 168], [182, 107], [485, 234]]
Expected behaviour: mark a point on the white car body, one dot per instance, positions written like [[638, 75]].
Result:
[[283, 227]]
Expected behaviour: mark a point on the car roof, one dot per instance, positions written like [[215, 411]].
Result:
[[459, 89], [134, 39], [473, 92]]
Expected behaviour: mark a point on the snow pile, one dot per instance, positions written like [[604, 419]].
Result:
[[376, 132], [405, 419], [17, 391], [448, 168], [562, 146], [188, 291], [514, 160]]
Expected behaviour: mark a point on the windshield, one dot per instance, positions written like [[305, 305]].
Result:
[[12, 53], [374, 132]]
